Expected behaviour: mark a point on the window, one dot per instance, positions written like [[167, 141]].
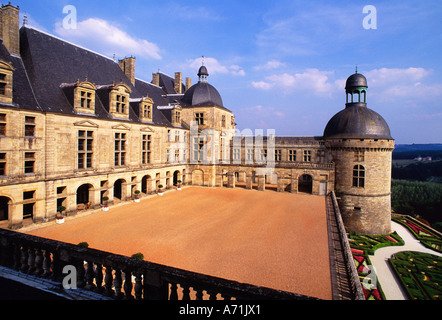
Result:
[[292, 155], [223, 121], [120, 149], [199, 118], [249, 155], [86, 100], [307, 156], [2, 124], [3, 84], [277, 155], [29, 162], [198, 149], [2, 164], [359, 177], [177, 155], [29, 126], [121, 104], [85, 149], [263, 154], [146, 149], [177, 136], [147, 111], [177, 117], [237, 154], [359, 156]]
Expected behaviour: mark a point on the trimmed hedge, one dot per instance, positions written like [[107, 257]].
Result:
[[420, 274]]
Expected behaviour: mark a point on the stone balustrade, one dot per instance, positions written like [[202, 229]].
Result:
[[120, 277]]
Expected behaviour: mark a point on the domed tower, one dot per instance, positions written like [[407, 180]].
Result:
[[361, 146]]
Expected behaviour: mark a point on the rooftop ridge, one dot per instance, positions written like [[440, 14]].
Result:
[[68, 42]]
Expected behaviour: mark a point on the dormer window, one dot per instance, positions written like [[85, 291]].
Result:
[[84, 97], [119, 101], [6, 73], [146, 109], [176, 116]]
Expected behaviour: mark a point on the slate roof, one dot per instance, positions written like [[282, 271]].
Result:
[[51, 64], [23, 96]]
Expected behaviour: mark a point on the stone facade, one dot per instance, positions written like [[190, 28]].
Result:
[[104, 138]]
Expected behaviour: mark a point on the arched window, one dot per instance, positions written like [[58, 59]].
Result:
[[359, 177]]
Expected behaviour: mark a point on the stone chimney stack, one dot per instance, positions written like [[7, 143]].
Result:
[[128, 67], [9, 28], [156, 79], [188, 83], [178, 82]]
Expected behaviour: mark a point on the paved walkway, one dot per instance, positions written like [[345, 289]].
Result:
[[388, 280]]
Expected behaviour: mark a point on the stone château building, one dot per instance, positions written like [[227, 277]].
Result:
[[76, 126]]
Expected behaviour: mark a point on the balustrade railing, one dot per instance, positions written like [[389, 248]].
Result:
[[120, 277]]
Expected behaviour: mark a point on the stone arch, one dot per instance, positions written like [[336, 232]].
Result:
[[198, 177], [85, 194], [120, 191], [176, 177], [5, 203], [305, 183]]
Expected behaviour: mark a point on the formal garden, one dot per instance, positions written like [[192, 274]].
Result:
[[419, 273]]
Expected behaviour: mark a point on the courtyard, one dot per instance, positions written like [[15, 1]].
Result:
[[270, 239]]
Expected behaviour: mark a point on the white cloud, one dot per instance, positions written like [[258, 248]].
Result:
[[264, 112], [410, 83], [272, 64], [310, 80], [105, 37], [214, 67]]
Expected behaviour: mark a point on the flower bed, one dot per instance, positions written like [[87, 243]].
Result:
[[420, 274], [371, 243], [426, 236]]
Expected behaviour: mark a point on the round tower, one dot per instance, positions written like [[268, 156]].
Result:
[[361, 146]]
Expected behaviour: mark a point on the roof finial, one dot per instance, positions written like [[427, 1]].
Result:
[[203, 60], [25, 19], [356, 69]]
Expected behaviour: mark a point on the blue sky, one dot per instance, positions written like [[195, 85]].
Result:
[[278, 64]]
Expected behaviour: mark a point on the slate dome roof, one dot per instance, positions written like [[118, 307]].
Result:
[[202, 93], [357, 121]]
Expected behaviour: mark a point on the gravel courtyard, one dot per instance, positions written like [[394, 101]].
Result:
[[276, 240]]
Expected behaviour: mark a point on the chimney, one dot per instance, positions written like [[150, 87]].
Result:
[[9, 28], [178, 82], [128, 67], [188, 83], [156, 79]]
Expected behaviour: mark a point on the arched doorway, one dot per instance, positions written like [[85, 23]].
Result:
[[146, 185], [119, 193], [4, 208], [305, 183], [176, 177], [84, 194]]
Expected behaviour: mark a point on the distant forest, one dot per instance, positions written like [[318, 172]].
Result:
[[417, 186]]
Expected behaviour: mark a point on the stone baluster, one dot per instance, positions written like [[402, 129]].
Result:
[[31, 261], [99, 278], [90, 276], [47, 261], [173, 292], [108, 282], [128, 285], [118, 282], [38, 263], [212, 295], [24, 260], [138, 289]]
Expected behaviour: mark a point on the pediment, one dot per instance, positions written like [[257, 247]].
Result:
[[121, 127], [86, 123], [147, 129]]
